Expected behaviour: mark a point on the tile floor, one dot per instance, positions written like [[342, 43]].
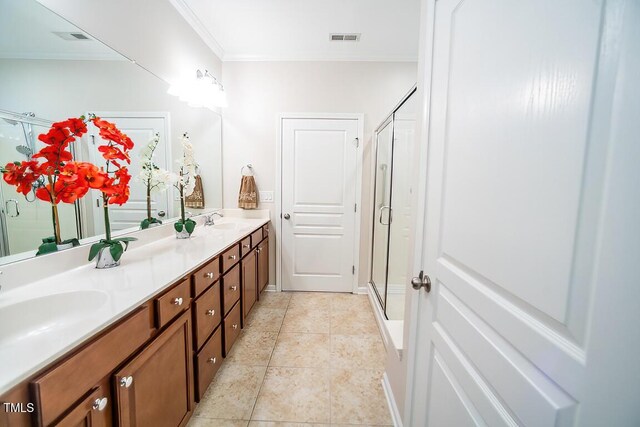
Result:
[[303, 359]]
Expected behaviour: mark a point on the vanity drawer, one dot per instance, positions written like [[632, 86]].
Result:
[[231, 328], [205, 276], [230, 257], [208, 362], [60, 387], [265, 231], [245, 246], [256, 237], [172, 303], [230, 288], [206, 314]]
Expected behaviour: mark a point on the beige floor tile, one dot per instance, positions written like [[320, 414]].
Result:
[[254, 347], [301, 350], [232, 393], [306, 320], [294, 395], [350, 302], [274, 299], [357, 397], [265, 319], [318, 301], [353, 322], [357, 351], [278, 424], [213, 422]]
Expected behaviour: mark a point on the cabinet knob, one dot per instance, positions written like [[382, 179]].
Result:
[[208, 275], [233, 288], [246, 246], [177, 301], [232, 257], [210, 312], [126, 381], [235, 326], [258, 250], [212, 360], [100, 403]]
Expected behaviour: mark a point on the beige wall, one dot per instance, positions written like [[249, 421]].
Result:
[[259, 91]]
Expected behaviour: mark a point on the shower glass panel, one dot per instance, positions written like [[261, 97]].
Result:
[[404, 127], [23, 220], [382, 210], [392, 207]]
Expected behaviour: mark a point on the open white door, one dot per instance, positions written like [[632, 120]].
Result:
[[531, 218], [320, 186]]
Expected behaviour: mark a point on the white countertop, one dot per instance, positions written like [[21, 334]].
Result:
[[65, 309]]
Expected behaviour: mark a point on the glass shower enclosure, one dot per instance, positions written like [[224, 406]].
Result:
[[394, 145]]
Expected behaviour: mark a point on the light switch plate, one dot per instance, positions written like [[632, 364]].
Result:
[[266, 196]]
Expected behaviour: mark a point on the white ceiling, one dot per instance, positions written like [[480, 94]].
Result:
[[27, 32], [299, 29]]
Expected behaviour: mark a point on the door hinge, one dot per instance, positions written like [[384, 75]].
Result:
[[357, 142], [355, 207], [353, 269]]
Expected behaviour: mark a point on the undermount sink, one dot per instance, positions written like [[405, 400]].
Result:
[[225, 226], [40, 315]]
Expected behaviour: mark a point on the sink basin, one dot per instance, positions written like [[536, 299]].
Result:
[[225, 226], [35, 316]]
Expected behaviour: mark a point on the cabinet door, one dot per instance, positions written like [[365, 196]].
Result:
[[92, 411], [249, 282], [156, 387], [263, 264]]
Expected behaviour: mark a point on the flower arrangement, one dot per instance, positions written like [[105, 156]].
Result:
[[185, 183], [53, 175], [154, 178], [114, 189], [56, 177]]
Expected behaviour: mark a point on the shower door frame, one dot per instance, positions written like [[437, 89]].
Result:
[[37, 121], [388, 120]]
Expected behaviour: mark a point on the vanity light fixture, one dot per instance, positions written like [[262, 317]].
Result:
[[203, 91]]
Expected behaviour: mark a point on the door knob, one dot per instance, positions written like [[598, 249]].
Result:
[[161, 214], [422, 281], [287, 216]]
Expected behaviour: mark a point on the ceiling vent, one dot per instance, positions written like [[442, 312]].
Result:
[[344, 37], [73, 36]]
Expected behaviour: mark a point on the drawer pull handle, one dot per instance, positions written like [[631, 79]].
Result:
[[177, 301], [233, 288], [246, 246], [208, 275], [100, 403], [232, 257], [126, 381], [212, 360], [234, 326], [211, 312]]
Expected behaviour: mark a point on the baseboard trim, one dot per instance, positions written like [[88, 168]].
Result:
[[393, 408]]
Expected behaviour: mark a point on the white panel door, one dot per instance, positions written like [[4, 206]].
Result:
[[140, 130], [318, 201], [533, 312]]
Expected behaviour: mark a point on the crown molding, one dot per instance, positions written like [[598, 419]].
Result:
[[315, 58], [63, 56], [192, 19]]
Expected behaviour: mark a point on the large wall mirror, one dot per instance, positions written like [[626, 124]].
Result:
[[49, 71]]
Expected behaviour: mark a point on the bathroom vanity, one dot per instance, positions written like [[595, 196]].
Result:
[[154, 350]]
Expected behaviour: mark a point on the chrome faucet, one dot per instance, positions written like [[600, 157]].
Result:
[[208, 219]]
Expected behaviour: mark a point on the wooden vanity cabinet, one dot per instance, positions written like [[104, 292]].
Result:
[[263, 265], [93, 411], [249, 282], [155, 388]]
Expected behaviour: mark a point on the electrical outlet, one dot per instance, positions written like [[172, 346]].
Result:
[[266, 196]]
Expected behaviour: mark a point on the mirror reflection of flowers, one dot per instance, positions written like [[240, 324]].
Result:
[[185, 183], [54, 176], [155, 179], [115, 186]]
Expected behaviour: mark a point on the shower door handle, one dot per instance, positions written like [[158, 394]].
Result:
[[382, 208], [17, 213]]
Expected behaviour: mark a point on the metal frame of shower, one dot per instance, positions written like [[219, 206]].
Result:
[[37, 121], [388, 119]]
